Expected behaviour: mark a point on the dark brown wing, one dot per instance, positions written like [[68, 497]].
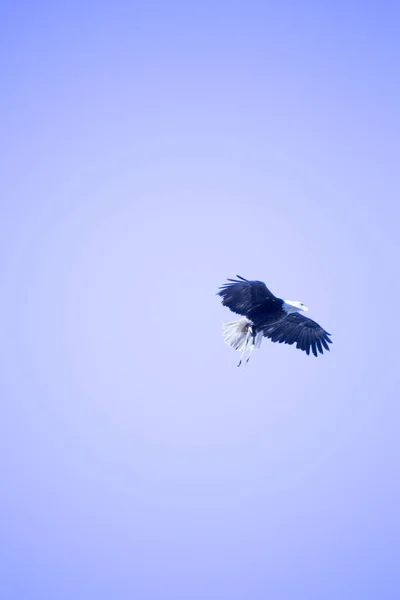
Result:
[[295, 328], [243, 296]]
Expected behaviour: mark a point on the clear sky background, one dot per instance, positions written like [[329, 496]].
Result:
[[150, 150]]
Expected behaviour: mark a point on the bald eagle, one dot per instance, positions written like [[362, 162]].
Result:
[[265, 315]]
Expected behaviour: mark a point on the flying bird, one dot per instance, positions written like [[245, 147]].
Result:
[[265, 315]]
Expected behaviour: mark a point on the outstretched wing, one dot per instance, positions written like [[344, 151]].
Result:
[[300, 330], [243, 296]]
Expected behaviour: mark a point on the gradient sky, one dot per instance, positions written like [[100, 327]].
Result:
[[150, 150]]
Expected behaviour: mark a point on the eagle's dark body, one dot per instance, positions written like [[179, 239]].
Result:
[[253, 300], [269, 316]]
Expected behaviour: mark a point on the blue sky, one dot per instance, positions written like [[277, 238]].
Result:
[[149, 151]]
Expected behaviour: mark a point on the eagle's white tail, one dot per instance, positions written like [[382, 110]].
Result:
[[239, 335]]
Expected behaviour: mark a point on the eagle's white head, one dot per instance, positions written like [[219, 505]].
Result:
[[291, 306]]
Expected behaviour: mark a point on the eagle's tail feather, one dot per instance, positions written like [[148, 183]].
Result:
[[240, 336]]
